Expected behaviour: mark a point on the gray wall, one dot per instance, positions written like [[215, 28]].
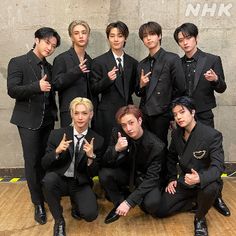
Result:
[[216, 21]]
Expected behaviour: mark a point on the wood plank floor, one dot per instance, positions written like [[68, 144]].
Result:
[[16, 218]]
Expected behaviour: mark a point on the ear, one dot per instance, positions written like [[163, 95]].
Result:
[[140, 120], [193, 112], [91, 115], [36, 40]]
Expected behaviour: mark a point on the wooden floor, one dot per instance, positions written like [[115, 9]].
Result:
[[16, 218]]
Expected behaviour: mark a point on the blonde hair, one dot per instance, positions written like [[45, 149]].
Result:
[[75, 23], [80, 101]]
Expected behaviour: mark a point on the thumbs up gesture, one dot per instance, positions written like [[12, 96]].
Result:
[[45, 86], [64, 144], [192, 178], [121, 144]]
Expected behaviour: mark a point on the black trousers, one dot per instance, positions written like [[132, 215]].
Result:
[[65, 118], [115, 183], [56, 186], [34, 143], [182, 200], [206, 117]]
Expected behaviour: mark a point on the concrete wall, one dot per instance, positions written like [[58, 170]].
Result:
[[20, 18]]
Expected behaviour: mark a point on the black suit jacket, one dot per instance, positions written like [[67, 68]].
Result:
[[69, 80], [112, 94], [203, 152], [203, 92], [60, 165], [23, 85], [148, 156], [167, 82]]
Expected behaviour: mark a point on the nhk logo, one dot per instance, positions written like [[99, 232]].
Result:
[[207, 9]]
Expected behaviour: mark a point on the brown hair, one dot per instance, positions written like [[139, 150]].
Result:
[[75, 23], [130, 109]]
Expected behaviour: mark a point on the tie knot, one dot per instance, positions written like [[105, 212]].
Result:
[[119, 59], [79, 137]]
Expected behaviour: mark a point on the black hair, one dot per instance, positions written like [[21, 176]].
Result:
[[183, 101], [150, 27], [121, 26], [47, 32], [187, 29]]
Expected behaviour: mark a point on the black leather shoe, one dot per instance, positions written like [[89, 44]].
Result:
[[40, 214], [75, 214], [112, 216], [59, 228], [221, 207], [200, 227]]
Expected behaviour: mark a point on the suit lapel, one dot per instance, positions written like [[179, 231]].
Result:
[[199, 68], [70, 136], [157, 69], [33, 65], [74, 56], [191, 145]]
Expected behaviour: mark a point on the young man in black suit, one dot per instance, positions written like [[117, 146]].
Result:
[[131, 166], [204, 75], [71, 70], [113, 78], [198, 150], [160, 79], [29, 83], [71, 159]]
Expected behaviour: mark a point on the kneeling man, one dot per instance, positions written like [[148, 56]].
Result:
[[71, 159], [131, 166], [198, 150]]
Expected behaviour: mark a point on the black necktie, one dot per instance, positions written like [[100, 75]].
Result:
[[152, 60], [77, 148], [120, 71]]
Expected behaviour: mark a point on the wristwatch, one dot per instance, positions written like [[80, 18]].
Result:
[[92, 157]]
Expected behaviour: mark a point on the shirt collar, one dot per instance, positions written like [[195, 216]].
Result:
[[115, 56], [80, 134]]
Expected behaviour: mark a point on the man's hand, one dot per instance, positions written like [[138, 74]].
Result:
[[112, 74], [83, 66], [88, 147], [210, 75], [192, 178], [171, 187], [63, 145], [45, 86], [144, 79], [121, 144], [123, 209]]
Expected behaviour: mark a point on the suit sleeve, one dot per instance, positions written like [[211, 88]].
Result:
[[172, 160], [49, 158], [220, 85], [61, 78], [99, 78], [151, 178], [217, 162], [19, 86]]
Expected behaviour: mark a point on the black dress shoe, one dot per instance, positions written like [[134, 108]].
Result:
[[59, 228], [75, 214], [40, 214], [200, 227], [221, 207], [112, 216]]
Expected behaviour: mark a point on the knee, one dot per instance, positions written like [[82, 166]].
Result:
[[50, 180], [151, 205], [211, 190], [90, 215], [105, 174]]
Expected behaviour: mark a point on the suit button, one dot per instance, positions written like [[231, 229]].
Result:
[[158, 93]]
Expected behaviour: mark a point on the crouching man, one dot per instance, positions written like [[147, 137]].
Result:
[[71, 159], [198, 150], [131, 166]]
